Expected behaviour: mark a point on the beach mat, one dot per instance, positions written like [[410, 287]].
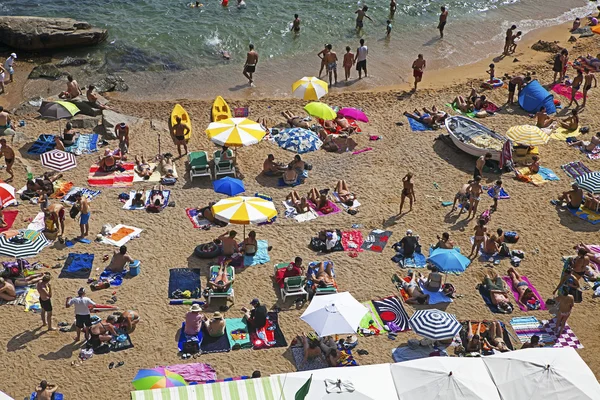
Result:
[[111, 179], [562, 134], [184, 338], [61, 188], [585, 214], [197, 221], [77, 266], [417, 126], [269, 336], [526, 327], [575, 169], [43, 144], [315, 363], [371, 315], [211, 344], [21, 293], [184, 279], [155, 177], [37, 223], [458, 110], [261, 256], [352, 240], [376, 240], [291, 212], [121, 234], [390, 309], [335, 209], [237, 333], [485, 295], [565, 91], [355, 203], [516, 294], [90, 194], [193, 372], [9, 219], [548, 174], [436, 297], [85, 144]]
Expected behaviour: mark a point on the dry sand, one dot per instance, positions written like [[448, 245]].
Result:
[[168, 240]]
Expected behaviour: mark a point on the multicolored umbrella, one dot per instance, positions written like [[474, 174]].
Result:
[[589, 182], [7, 194], [320, 110], [353, 113], [243, 210], [58, 109], [309, 88], [157, 378], [235, 132], [435, 324], [26, 244], [58, 160], [298, 140], [229, 186], [528, 135]]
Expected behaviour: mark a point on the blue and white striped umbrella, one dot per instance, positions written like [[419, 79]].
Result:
[[434, 324], [298, 140], [589, 182], [32, 243]]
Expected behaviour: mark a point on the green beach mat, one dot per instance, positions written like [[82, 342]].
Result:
[[236, 325], [370, 316], [469, 114]]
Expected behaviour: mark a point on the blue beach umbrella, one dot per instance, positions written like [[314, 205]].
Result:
[[448, 260], [298, 140], [229, 186]]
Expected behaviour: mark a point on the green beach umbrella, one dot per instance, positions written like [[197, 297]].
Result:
[[58, 109], [320, 110], [157, 378]]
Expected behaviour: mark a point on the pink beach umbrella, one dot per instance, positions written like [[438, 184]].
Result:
[[354, 113]]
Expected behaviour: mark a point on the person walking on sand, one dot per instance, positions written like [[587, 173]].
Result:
[[122, 133], [331, 61], [418, 66], [361, 59], [408, 190], [587, 84], [443, 19], [84, 218], [179, 130], [348, 62], [577, 82], [2, 77], [9, 156], [322, 55], [295, 24], [508, 39], [9, 65], [361, 15], [250, 65], [83, 318], [45, 290]]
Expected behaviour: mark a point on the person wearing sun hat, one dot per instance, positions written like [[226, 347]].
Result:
[[193, 320], [216, 326], [8, 65]]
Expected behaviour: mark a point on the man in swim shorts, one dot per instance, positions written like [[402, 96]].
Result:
[[179, 130], [331, 62], [418, 66], [45, 290], [5, 122], [250, 65], [84, 219], [119, 260], [573, 197], [442, 24], [9, 157], [143, 168], [361, 15]]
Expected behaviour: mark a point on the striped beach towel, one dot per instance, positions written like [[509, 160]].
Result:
[[114, 179]]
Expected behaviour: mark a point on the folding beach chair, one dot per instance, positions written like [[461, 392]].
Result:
[[198, 161], [214, 271], [223, 167], [293, 285]]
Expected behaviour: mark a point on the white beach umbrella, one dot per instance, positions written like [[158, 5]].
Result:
[[334, 314]]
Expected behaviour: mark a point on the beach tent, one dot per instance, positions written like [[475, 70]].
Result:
[[268, 388], [534, 96], [543, 373], [448, 378]]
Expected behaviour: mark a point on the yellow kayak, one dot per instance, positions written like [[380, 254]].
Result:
[[179, 111], [220, 110]]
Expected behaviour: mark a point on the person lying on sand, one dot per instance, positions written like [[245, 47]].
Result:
[[299, 203], [573, 198], [496, 335], [478, 102], [295, 121], [571, 122], [429, 117], [319, 199], [45, 183], [119, 260], [344, 193], [526, 295], [496, 287], [542, 119], [460, 103], [157, 199], [167, 166], [271, 168], [207, 214], [588, 146], [143, 169], [221, 283], [103, 332], [474, 342], [19, 282], [110, 161], [413, 290], [343, 123]]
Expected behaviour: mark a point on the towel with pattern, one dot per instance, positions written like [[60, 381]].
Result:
[[352, 240], [114, 178], [575, 169], [90, 194], [84, 144], [391, 311], [566, 91], [586, 214], [42, 144]]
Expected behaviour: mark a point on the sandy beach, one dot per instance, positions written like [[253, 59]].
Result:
[[30, 354]]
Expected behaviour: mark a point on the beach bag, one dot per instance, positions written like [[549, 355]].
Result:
[[74, 211], [511, 237], [85, 354], [168, 181], [191, 347]]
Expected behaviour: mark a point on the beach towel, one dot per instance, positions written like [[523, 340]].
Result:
[[562, 134], [37, 223], [418, 260], [370, 321], [241, 112], [155, 177], [196, 219], [121, 234], [193, 372], [352, 240], [575, 169], [291, 212], [55, 396], [114, 278], [407, 353], [111, 179], [21, 293], [312, 364], [237, 333], [42, 144], [123, 345], [166, 196], [355, 204], [491, 107], [485, 294], [391, 310], [214, 344], [566, 339], [269, 336], [84, 144], [129, 203], [77, 266], [182, 279], [89, 194], [516, 294], [9, 219], [32, 300], [503, 194], [261, 256], [592, 155], [376, 240], [417, 126], [526, 327], [61, 188], [548, 174], [586, 214], [565, 91], [458, 110], [436, 297], [334, 208], [183, 337]]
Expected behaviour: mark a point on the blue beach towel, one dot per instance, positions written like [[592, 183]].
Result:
[[261, 256], [586, 215], [166, 194], [77, 266], [299, 181], [55, 396], [185, 338], [115, 278], [184, 279], [417, 261], [214, 344], [503, 194], [548, 174], [43, 144], [84, 144], [417, 126]]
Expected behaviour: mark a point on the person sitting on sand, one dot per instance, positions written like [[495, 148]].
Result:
[[298, 164], [119, 260], [343, 192], [143, 169], [230, 245], [257, 317], [193, 320], [207, 214], [526, 295], [102, 332], [110, 161], [290, 176], [221, 283], [156, 199], [167, 166], [250, 245], [128, 320], [568, 281], [588, 146], [576, 25], [45, 391], [444, 242], [216, 325], [496, 287], [532, 343], [460, 103], [413, 290], [294, 121], [271, 168], [571, 122], [573, 198], [7, 290], [312, 350], [299, 203], [542, 118], [474, 342], [490, 244], [69, 135], [581, 263]]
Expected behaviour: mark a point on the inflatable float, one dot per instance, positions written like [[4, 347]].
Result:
[[207, 250]]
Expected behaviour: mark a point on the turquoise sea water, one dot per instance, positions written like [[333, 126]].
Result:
[[158, 37]]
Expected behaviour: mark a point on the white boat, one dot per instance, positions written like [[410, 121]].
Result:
[[474, 138]]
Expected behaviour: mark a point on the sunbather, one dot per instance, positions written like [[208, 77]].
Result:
[[542, 119], [157, 199], [345, 126], [18, 281], [216, 325], [45, 391], [119, 260], [460, 103], [474, 342], [413, 290], [434, 280], [128, 320], [526, 295], [444, 242], [102, 332], [496, 335], [344, 193], [581, 263], [312, 350], [571, 122], [490, 244], [194, 320], [588, 146], [568, 281], [299, 203], [139, 198], [573, 198], [533, 343], [295, 121], [7, 290], [110, 161], [206, 213], [324, 276], [221, 283], [320, 200], [290, 176], [250, 245], [230, 245], [424, 118], [496, 287], [167, 166], [143, 168]]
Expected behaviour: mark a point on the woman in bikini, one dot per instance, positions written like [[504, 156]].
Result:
[[474, 343], [298, 202], [109, 162], [343, 192], [294, 121], [408, 190], [572, 122], [157, 199], [526, 295], [496, 341], [249, 246], [139, 199], [320, 201], [480, 231], [143, 168]]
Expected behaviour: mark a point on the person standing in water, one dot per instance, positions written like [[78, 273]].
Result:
[[442, 24], [348, 62], [322, 54], [361, 58], [295, 24], [362, 14], [250, 65], [331, 61], [392, 8]]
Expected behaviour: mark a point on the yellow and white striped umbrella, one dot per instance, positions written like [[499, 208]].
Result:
[[310, 88], [528, 135], [243, 210], [235, 132]]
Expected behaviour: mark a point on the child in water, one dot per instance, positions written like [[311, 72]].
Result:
[[388, 28], [348, 62]]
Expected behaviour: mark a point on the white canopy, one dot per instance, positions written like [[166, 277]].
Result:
[[444, 378], [543, 373], [334, 314]]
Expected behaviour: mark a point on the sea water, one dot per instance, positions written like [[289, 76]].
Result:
[[166, 49]]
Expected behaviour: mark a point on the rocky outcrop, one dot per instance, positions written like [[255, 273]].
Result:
[[47, 71], [111, 83], [548, 47], [36, 33]]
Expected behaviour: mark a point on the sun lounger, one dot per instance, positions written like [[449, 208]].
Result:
[[320, 290], [291, 286], [198, 161], [214, 270], [223, 167]]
